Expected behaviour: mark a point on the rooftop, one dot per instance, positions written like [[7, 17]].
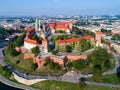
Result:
[[30, 41]]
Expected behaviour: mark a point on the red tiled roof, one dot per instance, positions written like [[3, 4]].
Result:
[[59, 25], [68, 40], [87, 37], [60, 41], [74, 39], [30, 41], [99, 33], [51, 24], [62, 27]]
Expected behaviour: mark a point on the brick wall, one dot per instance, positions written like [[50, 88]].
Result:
[[27, 56], [60, 61], [74, 58]]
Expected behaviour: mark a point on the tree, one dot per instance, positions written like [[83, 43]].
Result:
[[34, 66], [84, 45], [79, 64], [69, 65], [35, 37], [116, 37], [54, 52], [97, 69], [107, 32], [118, 73], [107, 64], [86, 32], [99, 56], [77, 31], [35, 50], [68, 49], [52, 65], [81, 84]]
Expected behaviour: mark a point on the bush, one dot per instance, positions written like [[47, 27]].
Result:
[[54, 52], [79, 64], [107, 64], [68, 49], [34, 66], [52, 65], [35, 50], [97, 69]]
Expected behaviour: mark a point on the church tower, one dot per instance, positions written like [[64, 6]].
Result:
[[36, 25], [39, 28], [45, 45], [98, 38]]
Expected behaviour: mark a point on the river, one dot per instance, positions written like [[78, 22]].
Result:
[[6, 87]]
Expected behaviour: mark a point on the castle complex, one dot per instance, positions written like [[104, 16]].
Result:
[[40, 31]]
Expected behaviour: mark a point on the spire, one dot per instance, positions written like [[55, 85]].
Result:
[[39, 25], [36, 21], [36, 24]]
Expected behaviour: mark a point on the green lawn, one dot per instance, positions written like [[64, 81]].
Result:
[[106, 79], [5, 72], [24, 65], [56, 85]]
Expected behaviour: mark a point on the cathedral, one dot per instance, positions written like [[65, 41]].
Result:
[[40, 29], [29, 43]]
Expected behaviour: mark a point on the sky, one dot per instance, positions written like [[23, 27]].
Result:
[[58, 7]]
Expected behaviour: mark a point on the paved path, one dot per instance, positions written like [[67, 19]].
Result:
[[103, 84], [12, 84], [2, 62]]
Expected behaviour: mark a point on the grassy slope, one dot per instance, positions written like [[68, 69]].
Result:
[[55, 85], [106, 79], [23, 65]]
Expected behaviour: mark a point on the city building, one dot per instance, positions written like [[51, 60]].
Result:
[[98, 38]]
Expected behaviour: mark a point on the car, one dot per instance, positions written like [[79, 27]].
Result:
[[88, 75]]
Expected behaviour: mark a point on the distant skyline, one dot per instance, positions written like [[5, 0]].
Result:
[[58, 7]]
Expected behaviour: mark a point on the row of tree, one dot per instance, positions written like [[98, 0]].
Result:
[[52, 65], [82, 32], [16, 43], [98, 61], [5, 33], [82, 46], [116, 37]]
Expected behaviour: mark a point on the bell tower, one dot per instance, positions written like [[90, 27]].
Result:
[[36, 24]]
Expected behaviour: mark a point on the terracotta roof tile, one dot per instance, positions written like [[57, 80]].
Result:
[[99, 33], [30, 41], [87, 37], [74, 39]]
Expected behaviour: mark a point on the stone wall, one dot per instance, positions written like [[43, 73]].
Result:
[[60, 61], [27, 56], [21, 50], [74, 58]]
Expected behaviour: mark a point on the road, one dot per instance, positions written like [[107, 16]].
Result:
[[103, 84]]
